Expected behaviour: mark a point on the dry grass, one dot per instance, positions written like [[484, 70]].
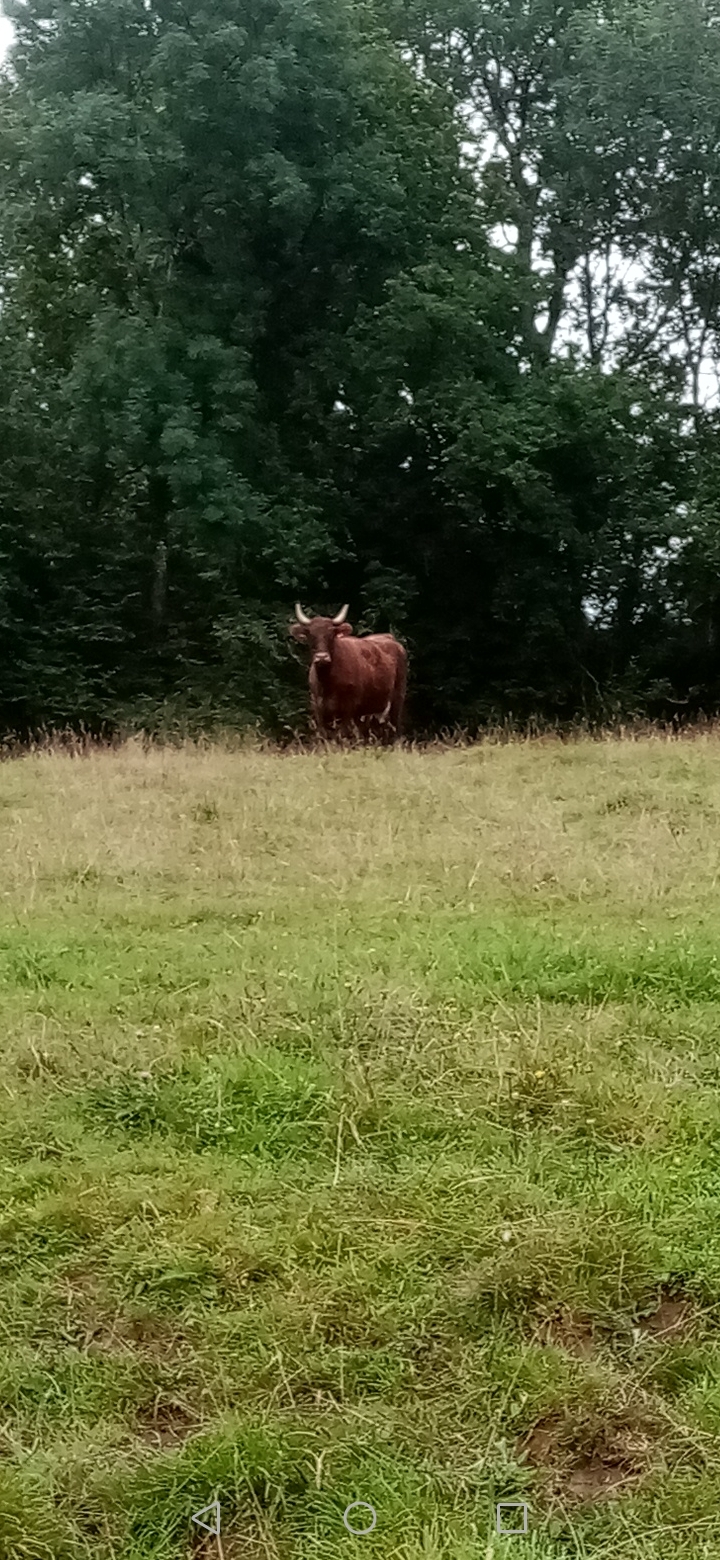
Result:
[[624, 821], [341, 1094]]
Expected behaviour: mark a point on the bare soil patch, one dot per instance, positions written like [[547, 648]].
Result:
[[112, 1335], [166, 1422], [672, 1319], [591, 1461], [97, 1329], [568, 1330]]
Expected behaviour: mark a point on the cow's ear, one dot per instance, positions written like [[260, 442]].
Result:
[[343, 628], [299, 631]]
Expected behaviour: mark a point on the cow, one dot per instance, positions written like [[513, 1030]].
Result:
[[354, 683]]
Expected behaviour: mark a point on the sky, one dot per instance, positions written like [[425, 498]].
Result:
[[5, 36]]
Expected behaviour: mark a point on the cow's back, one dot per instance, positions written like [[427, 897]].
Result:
[[364, 673]]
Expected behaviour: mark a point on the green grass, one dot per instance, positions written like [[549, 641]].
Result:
[[358, 1111]]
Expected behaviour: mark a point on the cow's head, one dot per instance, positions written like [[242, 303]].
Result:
[[320, 634]]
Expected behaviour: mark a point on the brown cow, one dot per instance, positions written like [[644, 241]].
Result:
[[354, 683]]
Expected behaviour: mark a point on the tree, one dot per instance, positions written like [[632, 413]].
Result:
[[259, 315], [194, 209], [594, 136], [503, 509]]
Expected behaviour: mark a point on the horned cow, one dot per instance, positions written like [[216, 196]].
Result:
[[356, 685]]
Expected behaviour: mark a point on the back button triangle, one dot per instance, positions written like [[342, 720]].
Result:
[[205, 1511]]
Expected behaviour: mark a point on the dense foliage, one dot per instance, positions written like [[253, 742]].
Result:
[[409, 304]]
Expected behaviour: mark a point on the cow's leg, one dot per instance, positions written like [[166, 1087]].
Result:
[[318, 715], [381, 726], [394, 725], [338, 730], [355, 730], [397, 703]]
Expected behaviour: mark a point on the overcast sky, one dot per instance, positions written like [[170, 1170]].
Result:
[[5, 35]]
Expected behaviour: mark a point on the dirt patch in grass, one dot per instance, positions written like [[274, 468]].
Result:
[[568, 1330], [166, 1422], [672, 1319], [152, 1336], [120, 1334], [97, 1329], [591, 1461]]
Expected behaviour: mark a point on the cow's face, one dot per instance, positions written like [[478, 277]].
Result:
[[320, 635]]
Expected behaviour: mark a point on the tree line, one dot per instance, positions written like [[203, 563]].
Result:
[[407, 303]]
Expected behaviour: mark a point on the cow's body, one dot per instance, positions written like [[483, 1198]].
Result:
[[355, 684]]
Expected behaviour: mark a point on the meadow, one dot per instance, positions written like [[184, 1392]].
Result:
[[360, 1140]]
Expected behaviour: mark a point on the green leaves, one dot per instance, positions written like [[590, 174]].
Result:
[[262, 322]]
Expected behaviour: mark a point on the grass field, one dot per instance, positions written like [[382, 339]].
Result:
[[360, 1140]]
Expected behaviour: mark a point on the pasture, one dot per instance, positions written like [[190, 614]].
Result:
[[360, 1140]]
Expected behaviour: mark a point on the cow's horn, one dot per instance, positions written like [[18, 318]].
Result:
[[300, 615], [342, 614]]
